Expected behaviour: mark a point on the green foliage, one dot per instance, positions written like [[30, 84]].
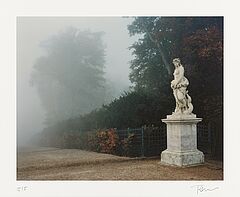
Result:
[[69, 77], [132, 109], [197, 41]]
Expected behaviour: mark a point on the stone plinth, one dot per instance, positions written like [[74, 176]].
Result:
[[182, 141]]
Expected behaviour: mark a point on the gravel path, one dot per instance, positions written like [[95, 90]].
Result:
[[72, 164]]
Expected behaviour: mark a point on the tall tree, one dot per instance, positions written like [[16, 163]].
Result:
[[70, 76], [197, 41]]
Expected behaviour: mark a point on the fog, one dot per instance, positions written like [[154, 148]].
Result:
[[31, 31]]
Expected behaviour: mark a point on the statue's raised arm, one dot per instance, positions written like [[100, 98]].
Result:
[[179, 85]]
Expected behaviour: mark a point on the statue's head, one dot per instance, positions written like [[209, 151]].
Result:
[[176, 62]]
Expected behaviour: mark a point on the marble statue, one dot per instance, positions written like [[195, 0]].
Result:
[[179, 86], [181, 125]]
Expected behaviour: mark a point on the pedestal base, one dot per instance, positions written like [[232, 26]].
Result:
[[182, 158], [182, 141]]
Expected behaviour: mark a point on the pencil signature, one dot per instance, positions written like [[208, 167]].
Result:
[[202, 188]]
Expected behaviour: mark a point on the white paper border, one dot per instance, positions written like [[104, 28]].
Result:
[[11, 9]]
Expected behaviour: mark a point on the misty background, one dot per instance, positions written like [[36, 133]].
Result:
[[32, 31]]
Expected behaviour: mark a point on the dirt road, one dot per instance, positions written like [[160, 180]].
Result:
[[72, 164]]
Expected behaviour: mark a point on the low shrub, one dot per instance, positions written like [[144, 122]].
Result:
[[107, 141]]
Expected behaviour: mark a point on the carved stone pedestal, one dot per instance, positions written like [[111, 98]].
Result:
[[182, 141]]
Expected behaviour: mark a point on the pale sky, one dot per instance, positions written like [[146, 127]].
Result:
[[32, 30]]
